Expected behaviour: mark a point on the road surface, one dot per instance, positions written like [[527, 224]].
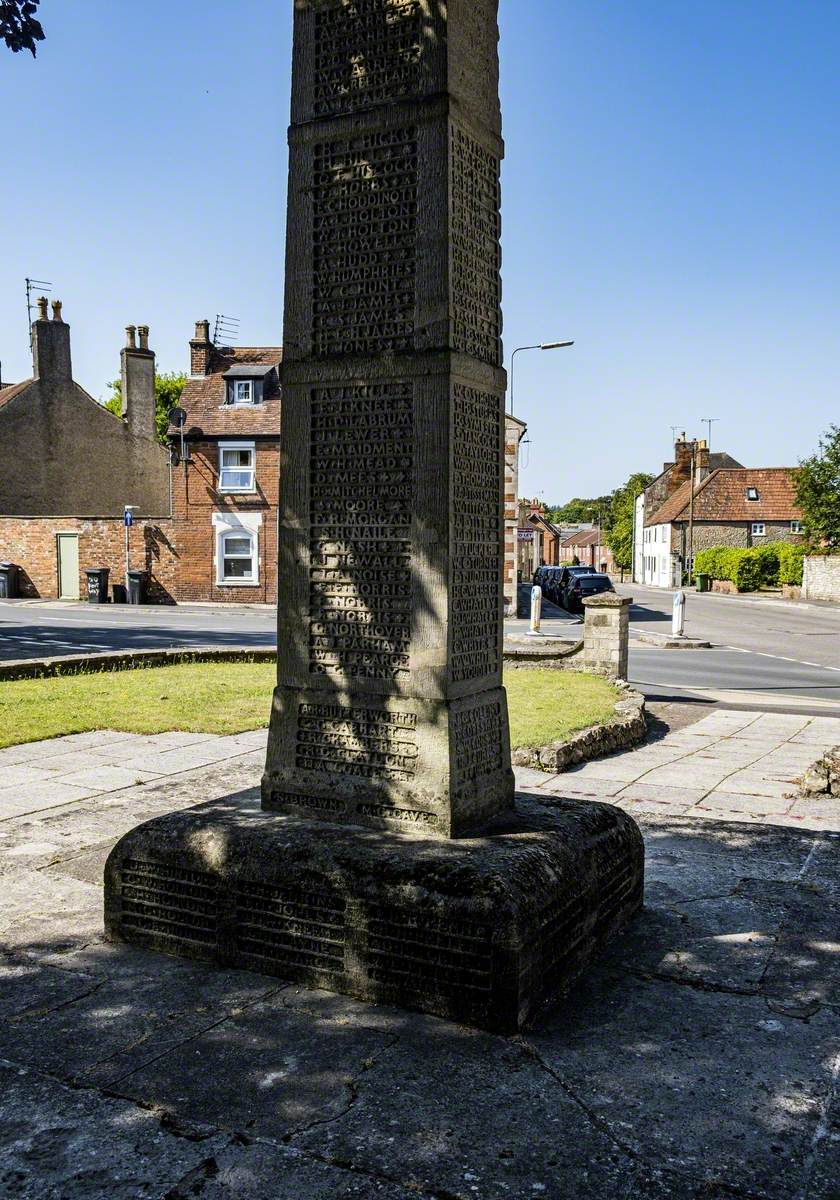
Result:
[[766, 653]]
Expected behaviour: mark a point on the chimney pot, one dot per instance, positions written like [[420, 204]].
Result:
[[143, 334], [42, 308], [56, 307], [130, 339], [200, 349]]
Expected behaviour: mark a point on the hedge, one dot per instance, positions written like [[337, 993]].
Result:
[[755, 567]]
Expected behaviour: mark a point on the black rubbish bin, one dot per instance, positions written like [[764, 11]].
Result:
[[97, 585], [136, 587], [8, 581], [119, 593]]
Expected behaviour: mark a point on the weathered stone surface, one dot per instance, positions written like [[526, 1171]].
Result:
[[60, 1143], [486, 930], [389, 710]]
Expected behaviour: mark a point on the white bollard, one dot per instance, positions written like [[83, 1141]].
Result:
[[678, 618], [536, 612]]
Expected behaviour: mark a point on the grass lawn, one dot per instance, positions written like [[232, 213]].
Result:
[[545, 706]]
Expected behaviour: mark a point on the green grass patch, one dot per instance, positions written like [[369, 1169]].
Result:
[[194, 697], [545, 706]]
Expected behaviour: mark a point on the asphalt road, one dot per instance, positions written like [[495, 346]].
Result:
[[30, 630], [765, 652]]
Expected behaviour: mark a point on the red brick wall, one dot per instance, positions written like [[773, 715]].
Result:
[[31, 543], [195, 500]]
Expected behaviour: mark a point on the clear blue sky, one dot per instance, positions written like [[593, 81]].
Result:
[[671, 201]]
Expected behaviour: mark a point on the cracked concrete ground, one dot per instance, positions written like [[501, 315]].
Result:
[[700, 1059]]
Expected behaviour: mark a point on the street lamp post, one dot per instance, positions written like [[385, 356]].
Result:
[[540, 346]]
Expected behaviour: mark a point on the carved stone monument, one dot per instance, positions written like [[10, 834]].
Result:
[[389, 709], [388, 859]]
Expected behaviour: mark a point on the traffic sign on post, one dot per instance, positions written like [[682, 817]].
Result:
[[128, 518]]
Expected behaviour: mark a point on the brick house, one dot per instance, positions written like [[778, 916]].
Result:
[[590, 549], [226, 490], [70, 466], [688, 455], [515, 431], [743, 507]]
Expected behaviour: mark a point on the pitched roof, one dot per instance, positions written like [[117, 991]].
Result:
[[15, 389], [584, 537], [203, 397], [722, 496]]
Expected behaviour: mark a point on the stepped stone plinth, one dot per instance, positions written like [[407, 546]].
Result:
[[389, 859]]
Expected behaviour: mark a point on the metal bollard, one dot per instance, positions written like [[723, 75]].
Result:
[[678, 617], [536, 612]]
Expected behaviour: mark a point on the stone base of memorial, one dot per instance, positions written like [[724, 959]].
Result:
[[487, 930]]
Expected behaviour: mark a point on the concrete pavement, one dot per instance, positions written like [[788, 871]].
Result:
[[699, 1060]]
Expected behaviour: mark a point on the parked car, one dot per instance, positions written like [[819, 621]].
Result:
[[551, 588], [564, 582], [581, 586]]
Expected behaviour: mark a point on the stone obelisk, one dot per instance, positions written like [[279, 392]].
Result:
[[389, 715], [389, 709]]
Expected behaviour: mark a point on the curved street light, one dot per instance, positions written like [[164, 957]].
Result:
[[539, 346]]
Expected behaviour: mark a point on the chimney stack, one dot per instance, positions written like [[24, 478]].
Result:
[[51, 345], [137, 370], [200, 349]]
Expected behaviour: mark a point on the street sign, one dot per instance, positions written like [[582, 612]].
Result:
[[525, 535], [128, 518]]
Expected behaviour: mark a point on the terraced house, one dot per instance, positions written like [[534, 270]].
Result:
[[226, 481]]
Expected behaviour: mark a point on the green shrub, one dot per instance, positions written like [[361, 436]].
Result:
[[790, 563], [748, 568]]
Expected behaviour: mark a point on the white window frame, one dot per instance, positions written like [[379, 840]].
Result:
[[247, 386], [252, 470], [236, 525], [796, 526], [758, 529]]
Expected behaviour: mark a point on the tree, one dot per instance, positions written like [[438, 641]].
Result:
[[818, 490], [168, 388], [620, 530], [19, 28], [578, 511]]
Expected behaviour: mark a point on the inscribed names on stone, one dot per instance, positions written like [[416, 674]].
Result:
[[366, 52], [475, 590], [364, 199], [362, 492], [476, 254]]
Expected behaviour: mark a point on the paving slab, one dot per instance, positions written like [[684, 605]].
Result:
[[64, 1144], [664, 1078]]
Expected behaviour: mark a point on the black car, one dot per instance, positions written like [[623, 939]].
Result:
[[564, 582], [551, 584], [585, 585]]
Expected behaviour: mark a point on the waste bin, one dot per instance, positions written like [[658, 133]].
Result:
[[8, 581], [702, 580], [97, 585], [119, 593], [136, 587]]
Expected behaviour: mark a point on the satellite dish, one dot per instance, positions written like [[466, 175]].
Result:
[[177, 417]]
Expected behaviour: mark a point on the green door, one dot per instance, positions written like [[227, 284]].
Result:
[[68, 566]]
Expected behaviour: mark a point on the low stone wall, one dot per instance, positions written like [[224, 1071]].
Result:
[[823, 778], [821, 577], [127, 660], [628, 728], [791, 591], [725, 586], [551, 655]]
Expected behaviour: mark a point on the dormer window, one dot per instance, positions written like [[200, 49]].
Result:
[[245, 383], [752, 493]]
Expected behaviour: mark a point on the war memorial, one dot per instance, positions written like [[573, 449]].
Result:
[[390, 859]]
